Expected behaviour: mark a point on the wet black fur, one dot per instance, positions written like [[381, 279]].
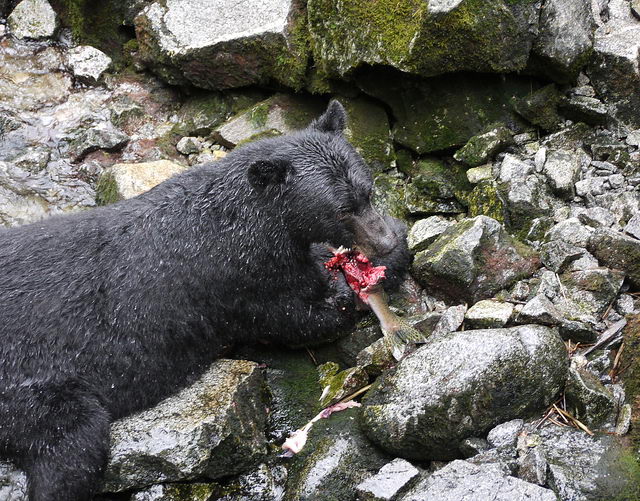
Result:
[[106, 312]]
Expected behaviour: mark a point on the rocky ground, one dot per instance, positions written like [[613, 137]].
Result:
[[509, 142]]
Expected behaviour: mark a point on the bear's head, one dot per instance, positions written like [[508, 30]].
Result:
[[322, 187]]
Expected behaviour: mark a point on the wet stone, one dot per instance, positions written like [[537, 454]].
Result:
[[392, 479], [33, 19], [425, 231], [102, 136], [129, 180], [487, 314], [88, 63], [463, 481], [505, 434], [587, 398], [533, 467]]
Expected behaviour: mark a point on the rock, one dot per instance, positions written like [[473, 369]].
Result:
[[129, 180], [33, 19], [474, 259], [277, 115], [570, 231], [585, 109], [472, 446], [213, 428], [635, 8], [426, 231], [533, 467], [88, 63], [188, 145], [633, 138], [562, 168], [591, 186], [512, 168], [337, 384], [488, 314], [335, 460], [265, 483], [477, 175], [558, 254], [483, 147], [614, 69], [540, 310], [353, 343], [221, 44], [463, 481], [102, 136], [368, 130], [506, 434], [392, 479], [561, 52], [615, 250], [13, 483], [431, 116], [587, 398], [441, 37], [596, 217], [633, 226], [461, 385], [177, 492], [585, 468], [592, 290], [540, 107], [389, 195]]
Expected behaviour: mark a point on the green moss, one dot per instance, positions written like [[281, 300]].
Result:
[[259, 114], [106, 189], [484, 200], [291, 62], [630, 374]]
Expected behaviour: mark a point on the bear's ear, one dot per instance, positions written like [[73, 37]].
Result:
[[265, 172], [333, 120]]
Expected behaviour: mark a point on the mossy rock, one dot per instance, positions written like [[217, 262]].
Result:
[[541, 107], [484, 200], [630, 374], [444, 112], [423, 38], [389, 196]]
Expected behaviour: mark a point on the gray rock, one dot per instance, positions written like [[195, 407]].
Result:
[[176, 492], [558, 254], [585, 109], [481, 148], [633, 138], [335, 460], [592, 290], [102, 136], [591, 186], [463, 481], [635, 8], [587, 398], [584, 468], [214, 428], [533, 467], [265, 483], [13, 483], [188, 145], [222, 44], [88, 63], [571, 231], [512, 168], [450, 320], [488, 314], [425, 231], [562, 169], [477, 175], [540, 107], [615, 250], [33, 19], [506, 434], [277, 115], [461, 385], [473, 260], [625, 305], [561, 51], [122, 181], [614, 69], [633, 226], [596, 217], [392, 479], [540, 310], [473, 446]]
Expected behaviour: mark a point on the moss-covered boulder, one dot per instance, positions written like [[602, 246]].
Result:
[[440, 113], [369, 131], [630, 374], [389, 195], [473, 260], [461, 385], [222, 44], [541, 107], [280, 114], [423, 38], [482, 147], [616, 250]]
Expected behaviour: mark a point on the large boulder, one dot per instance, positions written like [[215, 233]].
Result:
[[221, 44], [213, 429], [443, 112], [464, 481], [474, 259], [423, 38], [462, 384], [616, 250]]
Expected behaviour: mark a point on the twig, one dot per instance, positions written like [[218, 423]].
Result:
[[604, 315], [356, 394], [558, 423], [576, 422], [616, 362], [313, 359], [557, 409], [564, 293], [607, 336]]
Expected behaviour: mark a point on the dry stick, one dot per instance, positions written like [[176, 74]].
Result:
[[557, 409], [558, 423], [356, 394], [564, 294], [607, 336], [543, 419], [576, 422], [313, 359], [616, 362]]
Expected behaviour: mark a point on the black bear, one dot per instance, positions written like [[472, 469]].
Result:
[[106, 312]]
